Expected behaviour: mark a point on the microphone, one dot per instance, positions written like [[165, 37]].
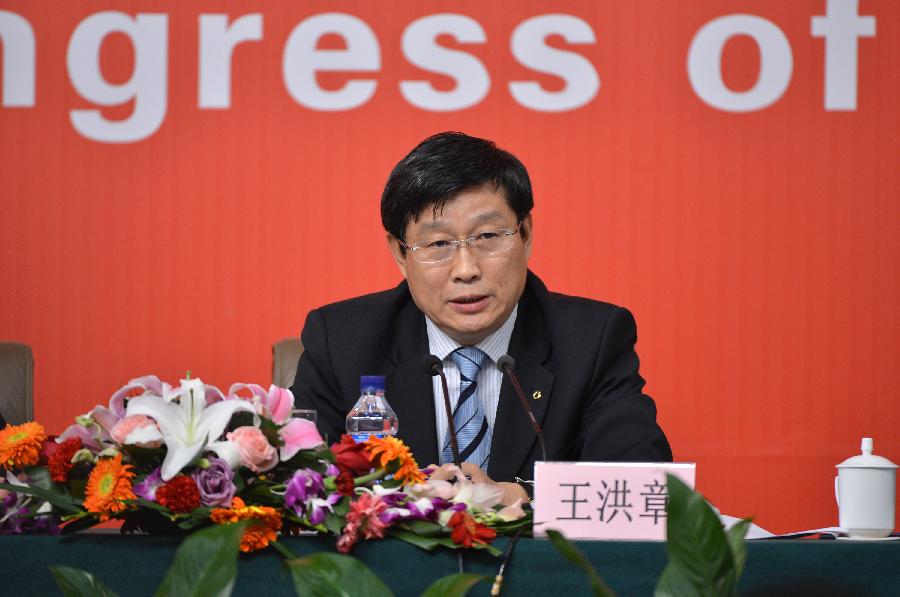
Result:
[[507, 364], [433, 366]]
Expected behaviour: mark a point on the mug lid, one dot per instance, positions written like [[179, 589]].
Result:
[[867, 459]]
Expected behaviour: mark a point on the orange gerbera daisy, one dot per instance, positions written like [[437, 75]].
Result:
[[108, 487], [264, 526], [385, 450], [20, 445]]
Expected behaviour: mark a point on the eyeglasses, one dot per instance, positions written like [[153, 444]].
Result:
[[486, 242]]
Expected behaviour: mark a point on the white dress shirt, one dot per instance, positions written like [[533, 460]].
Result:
[[490, 377]]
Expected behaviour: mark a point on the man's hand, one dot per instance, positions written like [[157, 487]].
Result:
[[511, 491]]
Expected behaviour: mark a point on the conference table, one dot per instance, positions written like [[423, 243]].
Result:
[[134, 565]]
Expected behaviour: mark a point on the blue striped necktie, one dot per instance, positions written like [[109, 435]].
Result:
[[472, 432]]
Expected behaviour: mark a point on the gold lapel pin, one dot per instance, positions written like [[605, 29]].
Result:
[[536, 395]]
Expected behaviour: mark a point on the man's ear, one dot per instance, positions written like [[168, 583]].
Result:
[[398, 253], [527, 231]]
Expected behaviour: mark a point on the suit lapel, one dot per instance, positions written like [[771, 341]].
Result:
[[513, 436], [409, 387]]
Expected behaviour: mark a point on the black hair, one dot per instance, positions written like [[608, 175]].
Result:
[[444, 165]]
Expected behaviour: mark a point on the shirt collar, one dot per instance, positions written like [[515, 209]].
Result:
[[495, 346]]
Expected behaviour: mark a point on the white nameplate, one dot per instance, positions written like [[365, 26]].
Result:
[[605, 500]]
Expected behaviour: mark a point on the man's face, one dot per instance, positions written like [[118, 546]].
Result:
[[471, 295]]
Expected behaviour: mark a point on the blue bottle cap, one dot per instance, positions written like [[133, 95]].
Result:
[[371, 383]]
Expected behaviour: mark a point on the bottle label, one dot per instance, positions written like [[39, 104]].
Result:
[[361, 437]]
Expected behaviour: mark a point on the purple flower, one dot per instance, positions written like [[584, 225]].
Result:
[[16, 517], [319, 507], [303, 486], [415, 509], [146, 489], [216, 483]]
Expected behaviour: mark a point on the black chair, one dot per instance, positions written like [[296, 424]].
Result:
[[16, 383], [285, 356]]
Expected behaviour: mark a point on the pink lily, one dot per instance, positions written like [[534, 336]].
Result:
[[298, 434]]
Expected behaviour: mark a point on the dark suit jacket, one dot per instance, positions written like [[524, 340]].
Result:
[[578, 353]]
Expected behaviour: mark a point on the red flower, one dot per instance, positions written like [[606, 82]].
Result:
[[61, 459], [467, 532], [180, 494], [50, 446], [352, 456], [363, 520], [344, 482]]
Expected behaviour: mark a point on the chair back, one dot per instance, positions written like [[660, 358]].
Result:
[[16, 382], [285, 356]]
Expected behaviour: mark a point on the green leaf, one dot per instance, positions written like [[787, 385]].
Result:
[[195, 518], [488, 548], [334, 523], [735, 536], [260, 492], [695, 541], [73, 582], [77, 488], [453, 585], [510, 527], [327, 574], [673, 583], [152, 506], [239, 484], [425, 528], [39, 476], [574, 555], [145, 457], [420, 541], [305, 459], [79, 524], [60, 500], [241, 419], [205, 563], [270, 430]]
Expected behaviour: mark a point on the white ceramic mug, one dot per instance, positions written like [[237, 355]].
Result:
[[865, 488]]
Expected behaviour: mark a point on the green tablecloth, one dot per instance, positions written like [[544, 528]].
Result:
[[134, 565]]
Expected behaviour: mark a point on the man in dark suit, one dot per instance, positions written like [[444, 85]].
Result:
[[457, 211]]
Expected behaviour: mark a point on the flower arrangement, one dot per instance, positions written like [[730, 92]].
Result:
[[173, 459]]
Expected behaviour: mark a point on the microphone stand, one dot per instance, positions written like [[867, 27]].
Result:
[[433, 366], [506, 363]]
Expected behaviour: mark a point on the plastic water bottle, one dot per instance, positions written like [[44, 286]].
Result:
[[371, 415]]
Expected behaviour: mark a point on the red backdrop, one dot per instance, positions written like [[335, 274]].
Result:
[[757, 249]]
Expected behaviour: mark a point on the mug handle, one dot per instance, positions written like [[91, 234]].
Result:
[[837, 495]]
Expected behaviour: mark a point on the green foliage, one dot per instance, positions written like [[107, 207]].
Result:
[[453, 585], [144, 457], [421, 541], [327, 574], [205, 563], [428, 535], [79, 522], [308, 459], [39, 476], [574, 555], [735, 536], [78, 583], [241, 419], [334, 523], [703, 559], [60, 500], [270, 430]]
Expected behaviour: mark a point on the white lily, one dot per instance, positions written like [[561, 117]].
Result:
[[189, 425]]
